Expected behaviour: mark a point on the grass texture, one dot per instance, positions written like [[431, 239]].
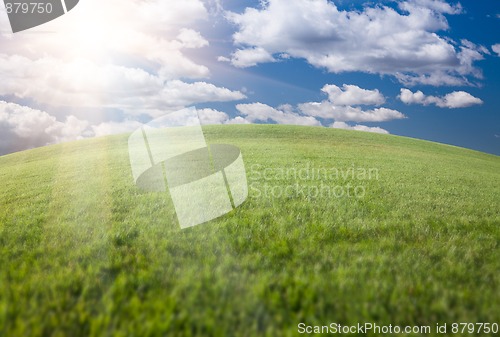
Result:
[[83, 252]]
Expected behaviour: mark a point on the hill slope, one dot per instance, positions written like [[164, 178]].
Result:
[[410, 238]]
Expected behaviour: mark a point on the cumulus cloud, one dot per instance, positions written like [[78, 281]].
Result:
[[77, 66], [357, 127], [83, 83], [456, 99], [190, 38], [223, 59], [212, 116], [352, 95], [111, 128], [157, 35], [341, 105], [403, 42], [259, 112], [337, 108], [435, 5], [140, 67], [496, 48], [328, 110], [250, 57], [206, 116], [22, 128], [178, 93], [238, 120], [256, 112]]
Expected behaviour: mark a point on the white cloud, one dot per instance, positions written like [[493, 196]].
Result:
[[191, 39], [238, 120], [456, 99], [378, 39], [112, 128], [250, 57], [337, 108], [459, 99], [157, 35], [496, 48], [136, 65], [140, 66], [352, 95], [438, 78], [259, 112], [223, 59], [409, 97], [22, 127], [436, 5], [341, 102], [212, 116], [178, 93], [82, 83], [345, 126], [328, 110]]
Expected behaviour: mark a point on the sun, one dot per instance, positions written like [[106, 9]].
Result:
[[91, 30]]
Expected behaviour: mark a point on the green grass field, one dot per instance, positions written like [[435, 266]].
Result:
[[83, 252]]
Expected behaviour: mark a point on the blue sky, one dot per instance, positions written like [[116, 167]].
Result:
[[426, 69]]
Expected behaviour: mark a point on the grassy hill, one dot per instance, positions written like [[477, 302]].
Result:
[[413, 239]]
